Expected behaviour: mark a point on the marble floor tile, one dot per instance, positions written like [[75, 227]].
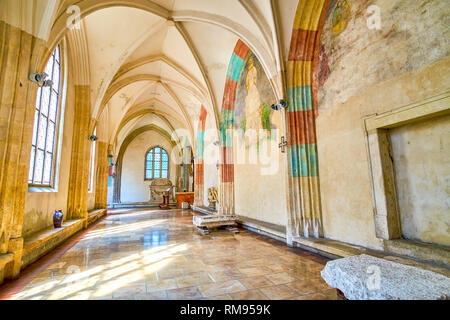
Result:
[[220, 288], [303, 286], [254, 294], [161, 285], [280, 292], [255, 271], [281, 278], [188, 293], [256, 282], [196, 279], [148, 254]]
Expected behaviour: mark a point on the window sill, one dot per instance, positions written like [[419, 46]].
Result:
[[42, 190]]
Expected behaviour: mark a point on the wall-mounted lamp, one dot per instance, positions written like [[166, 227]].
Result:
[[40, 79], [279, 106]]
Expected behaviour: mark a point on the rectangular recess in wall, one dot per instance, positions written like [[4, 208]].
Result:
[[387, 214]]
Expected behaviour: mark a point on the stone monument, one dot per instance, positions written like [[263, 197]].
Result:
[[212, 198], [159, 187], [205, 223], [366, 277]]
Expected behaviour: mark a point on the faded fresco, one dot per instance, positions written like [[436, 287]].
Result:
[[341, 14], [353, 56], [254, 97]]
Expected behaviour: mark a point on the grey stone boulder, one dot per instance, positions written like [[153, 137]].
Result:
[[366, 277]]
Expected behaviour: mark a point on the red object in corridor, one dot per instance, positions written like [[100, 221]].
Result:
[[184, 197]]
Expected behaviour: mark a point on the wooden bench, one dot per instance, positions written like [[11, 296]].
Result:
[[365, 277]]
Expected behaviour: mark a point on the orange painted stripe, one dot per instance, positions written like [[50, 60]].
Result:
[[227, 171], [241, 50], [302, 127], [199, 173], [302, 45], [229, 95]]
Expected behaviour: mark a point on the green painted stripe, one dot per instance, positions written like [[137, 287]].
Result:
[[200, 144], [235, 67], [304, 161], [300, 98]]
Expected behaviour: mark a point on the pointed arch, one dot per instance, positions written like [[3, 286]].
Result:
[[305, 215], [226, 172], [124, 147]]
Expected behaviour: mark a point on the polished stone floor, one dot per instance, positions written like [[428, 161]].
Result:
[[149, 254]]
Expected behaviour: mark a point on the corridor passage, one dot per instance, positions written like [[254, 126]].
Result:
[[152, 254]]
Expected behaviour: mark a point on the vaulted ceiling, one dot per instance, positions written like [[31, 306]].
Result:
[[160, 60]]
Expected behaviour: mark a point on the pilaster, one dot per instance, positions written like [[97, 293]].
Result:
[[79, 167], [20, 55], [101, 186]]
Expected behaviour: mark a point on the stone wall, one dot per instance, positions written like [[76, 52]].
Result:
[[421, 154], [40, 204], [363, 72], [133, 186], [259, 177]]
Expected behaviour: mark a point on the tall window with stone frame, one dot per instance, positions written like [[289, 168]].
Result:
[[156, 164], [46, 118]]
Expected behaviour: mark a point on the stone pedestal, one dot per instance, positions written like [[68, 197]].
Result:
[[366, 277], [205, 223]]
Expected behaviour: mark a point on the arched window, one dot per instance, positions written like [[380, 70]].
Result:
[[46, 117], [156, 164]]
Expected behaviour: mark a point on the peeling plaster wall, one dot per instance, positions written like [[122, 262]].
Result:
[[40, 206], [363, 72], [413, 34], [134, 188], [421, 153]]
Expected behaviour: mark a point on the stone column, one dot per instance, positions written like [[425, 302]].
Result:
[[305, 212], [20, 55], [79, 166], [199, 163], [226, 186], [101, 186]]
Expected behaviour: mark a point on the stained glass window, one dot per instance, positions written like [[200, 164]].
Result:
[[45, 125], [156, 164]]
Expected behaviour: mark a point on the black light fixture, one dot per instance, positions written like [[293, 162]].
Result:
[[40, 79], [279, 106]]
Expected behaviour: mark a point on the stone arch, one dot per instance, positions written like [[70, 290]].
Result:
[[304, 207], [226, 173], [124, 147]]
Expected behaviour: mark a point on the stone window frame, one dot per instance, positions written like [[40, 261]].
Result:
[[384, 192], [54, 185]]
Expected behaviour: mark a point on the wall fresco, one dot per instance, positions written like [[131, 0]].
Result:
[[353, 56], [253, 99]]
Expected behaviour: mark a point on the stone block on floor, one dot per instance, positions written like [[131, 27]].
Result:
[[366, 277]]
